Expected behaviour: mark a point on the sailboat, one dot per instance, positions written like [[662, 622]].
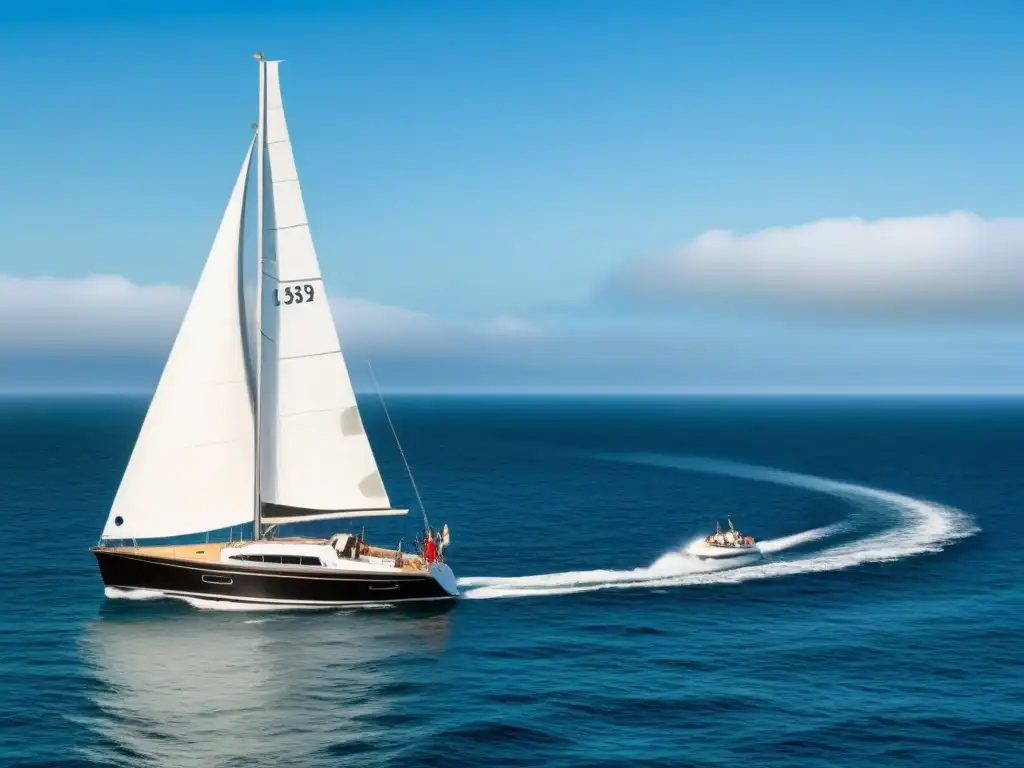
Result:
[[260, 428]]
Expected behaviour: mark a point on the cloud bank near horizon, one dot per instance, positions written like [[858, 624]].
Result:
[[869, 283], [950, 265], [947, 265], [105, 329], [109, 314]]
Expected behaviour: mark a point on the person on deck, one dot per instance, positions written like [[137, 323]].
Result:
[[438, 547], [429, 549], [351, 548]]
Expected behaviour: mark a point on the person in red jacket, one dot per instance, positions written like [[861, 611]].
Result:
[[429, 548]]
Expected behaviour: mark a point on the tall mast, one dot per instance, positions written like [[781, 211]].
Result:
[[257, 532]]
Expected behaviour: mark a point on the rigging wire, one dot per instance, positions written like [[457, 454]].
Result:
[[408, 469]]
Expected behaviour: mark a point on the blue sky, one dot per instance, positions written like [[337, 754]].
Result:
[[499, 173]]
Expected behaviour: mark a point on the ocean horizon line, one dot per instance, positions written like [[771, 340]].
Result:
[[679, 392]]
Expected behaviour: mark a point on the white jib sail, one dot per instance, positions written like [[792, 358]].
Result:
[[192, 468], [316, 458]]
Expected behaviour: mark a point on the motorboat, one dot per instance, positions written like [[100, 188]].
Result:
[[726, 544]]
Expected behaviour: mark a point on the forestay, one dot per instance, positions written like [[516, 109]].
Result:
[[316, 459], [192, 466]]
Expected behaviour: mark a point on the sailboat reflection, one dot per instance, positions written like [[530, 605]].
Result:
[[176, 687]]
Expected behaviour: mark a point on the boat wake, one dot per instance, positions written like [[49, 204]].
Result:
[[116, 593], [919, 527]]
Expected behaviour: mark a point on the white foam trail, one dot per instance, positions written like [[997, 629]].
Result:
[[771, 546], [674, 563], [922, 527], [232, 606], [116, 593], [664, 571]]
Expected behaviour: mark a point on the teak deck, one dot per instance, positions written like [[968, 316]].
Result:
[[211, 552]]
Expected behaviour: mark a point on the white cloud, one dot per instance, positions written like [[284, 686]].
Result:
[[106, 332], [509, 327], [384, 330], [110, 315], [377, 327], [97, 314], [955, 263]]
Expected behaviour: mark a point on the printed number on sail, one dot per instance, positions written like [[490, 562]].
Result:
[[293, 294]]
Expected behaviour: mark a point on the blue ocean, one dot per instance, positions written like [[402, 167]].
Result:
[[884, 626]]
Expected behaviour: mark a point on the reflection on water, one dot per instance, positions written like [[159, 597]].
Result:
[[173, 686]]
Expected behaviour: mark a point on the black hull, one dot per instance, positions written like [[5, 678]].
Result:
[[263, 584]]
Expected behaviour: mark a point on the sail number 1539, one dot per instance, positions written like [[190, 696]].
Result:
[[293, 294]]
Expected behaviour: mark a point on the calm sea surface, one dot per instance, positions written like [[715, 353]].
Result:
[[885, 626]]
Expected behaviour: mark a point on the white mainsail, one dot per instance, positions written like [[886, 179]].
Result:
[[192, 468], [316, 460]]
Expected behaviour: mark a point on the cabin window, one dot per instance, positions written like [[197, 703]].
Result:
[[282, 559]]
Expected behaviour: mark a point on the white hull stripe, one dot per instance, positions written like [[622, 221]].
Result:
[[272, 601]]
